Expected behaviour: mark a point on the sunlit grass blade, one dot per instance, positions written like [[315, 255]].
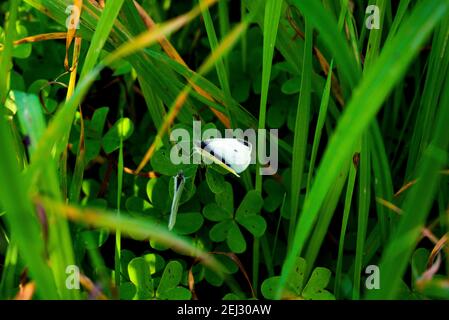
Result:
[[31, 119], [6, 54], [21, 217], [101, 35], [301, 132], [271, 23], [118, 233], [143, 229], [326, 214]]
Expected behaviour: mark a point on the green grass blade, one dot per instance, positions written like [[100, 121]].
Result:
[[223, 17], [32, 121], [272, 16], [319, 126], [400, 14], [271, 22], [383, 183], [103, 29], [344, 226], [118, 234], [364, 194], [223, 74], [433, 86], [325, 216], [363, 211], [9, 271], [301, 132], [334, 40], [244, 41], [138, 228], [388, 69], [416, 207], [21, 217], [6, 54]]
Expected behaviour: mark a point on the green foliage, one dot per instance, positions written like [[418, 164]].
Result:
[[142, 285], [227, 229], [362, 164], [298, 285], [120, 131]]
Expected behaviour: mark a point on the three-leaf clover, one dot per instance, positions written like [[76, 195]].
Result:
[[315, 289], [168, 288], [227, 228]]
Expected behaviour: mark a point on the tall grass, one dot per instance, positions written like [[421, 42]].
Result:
[[371, 115]]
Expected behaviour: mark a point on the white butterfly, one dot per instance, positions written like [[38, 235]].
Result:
[[232, 154]]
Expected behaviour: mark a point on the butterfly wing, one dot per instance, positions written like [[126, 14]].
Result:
[[234, 153], [206, 155]]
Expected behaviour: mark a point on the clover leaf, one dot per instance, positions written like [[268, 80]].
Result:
[[225, 199], [188, 223], [121, 130], [23, 51], [157, 193], [140, 276], [247, 214], [274, 195], [142, 285], [161, 163], [215, 181], [315, 289], [228, 224], [169, 288]]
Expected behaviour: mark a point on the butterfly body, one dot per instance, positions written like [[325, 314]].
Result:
[[179, 182]]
